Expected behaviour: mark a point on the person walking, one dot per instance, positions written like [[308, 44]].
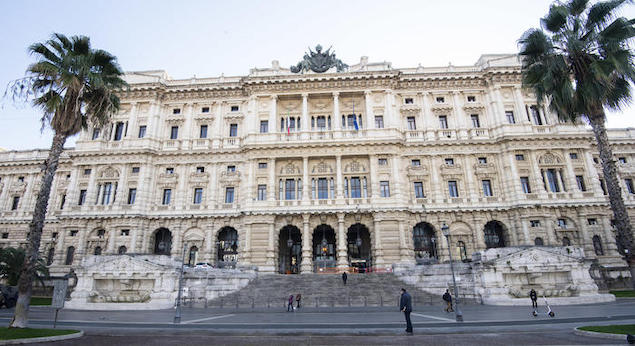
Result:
[[290, 304], [534, 298], [405, 305], [298, 298], [447, 297], [344, 277]]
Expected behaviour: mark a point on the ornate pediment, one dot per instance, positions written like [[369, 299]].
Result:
[[290, 169], [536, 256], [451, 169], [550, 159], [125, 264], [198, 177], [18, 188], [355, 167], [109, 173], [418, 170], [322, 168], [484, 169]]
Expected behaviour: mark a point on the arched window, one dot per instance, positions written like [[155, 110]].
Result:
[[70, 253], [538, 241], [122, 250], [97, 251], [425, 242], [192, 256], [597, 245], [494, 235], [227, 245], [50, 256], [566, 241]]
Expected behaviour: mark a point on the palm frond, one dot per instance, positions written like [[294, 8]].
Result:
[[556, 19], [577, 7], [602, 12]]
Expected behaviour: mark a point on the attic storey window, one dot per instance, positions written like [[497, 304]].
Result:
[[176, 111]]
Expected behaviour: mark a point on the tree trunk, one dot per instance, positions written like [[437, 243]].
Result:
[[25, 283], [624, 234]]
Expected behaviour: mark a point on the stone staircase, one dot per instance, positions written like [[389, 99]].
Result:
[[323, 290]]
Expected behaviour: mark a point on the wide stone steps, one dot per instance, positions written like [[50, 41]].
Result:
[[323, 290]]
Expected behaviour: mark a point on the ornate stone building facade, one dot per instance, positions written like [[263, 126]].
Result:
[[294, 173]]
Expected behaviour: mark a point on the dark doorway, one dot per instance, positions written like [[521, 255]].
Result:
[[494, 235], [425, 243], [191, 260], [324, 251], [358, 246], [162, 241], [289, 250], [227, 247]]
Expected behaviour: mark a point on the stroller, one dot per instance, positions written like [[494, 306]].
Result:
[[548, 310]]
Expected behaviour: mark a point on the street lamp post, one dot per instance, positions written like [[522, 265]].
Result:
[[177, 314], [457, 310]]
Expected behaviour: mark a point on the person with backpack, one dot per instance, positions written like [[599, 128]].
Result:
[[534, 298], [290, 304], [447, 297]]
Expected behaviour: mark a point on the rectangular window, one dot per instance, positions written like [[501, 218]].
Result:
[[289, 189], [231, 169], [262, 165], [16, 201], [203, 131], [105, 198], [487, 188], [535, 114], [482, 160], [135, 170], [629, 185], [132, 195], [5, 235], [176, 111], [73, 233], [552, 180], [580, 180], [382, 162], [167, 194], [229, 195], [412, 125], [234, 108], [379, 121], [205, 110], [323, 188], [200, 169], [520, 157], [142, 131], [453, 188], [440, 99], [264, 126], [169, 170], [119, 130], [562, 223], [443, 122], [419, 190], [87, 171], [262, 192], [534, 223], [198, 195], [416, 163], [356, 188], [125, 232], [82, 197], [592, 222], [510, 117], [524, 182], [475, 122], [174, 132], [63, 201], [449, 162], [573, 156], [96, 133], [21, 179], [471, 99], [408, 100], [384, 189], [622, 159], [233, 130]]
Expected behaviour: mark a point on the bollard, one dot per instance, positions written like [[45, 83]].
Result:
[[316, 301], [221, 303], [205, 302], [253, 303], [365, 301]]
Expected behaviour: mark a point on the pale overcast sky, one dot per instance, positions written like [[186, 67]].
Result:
[[207, 38]]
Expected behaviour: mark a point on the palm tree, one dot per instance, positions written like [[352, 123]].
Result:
[[11, 262], [74, 85], [581, 62]]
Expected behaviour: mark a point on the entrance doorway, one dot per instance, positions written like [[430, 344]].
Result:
[[324, 254], [227, 247], [289, 250], [162, 241], [358, 246]]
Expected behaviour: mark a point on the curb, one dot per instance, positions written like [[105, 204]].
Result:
[[42, 339], [577, 331]]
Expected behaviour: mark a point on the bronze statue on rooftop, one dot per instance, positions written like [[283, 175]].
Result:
[[319, 61]]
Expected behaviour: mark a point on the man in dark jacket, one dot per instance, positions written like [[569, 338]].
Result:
[[534, 298], [447, 297], [344, 277], [405, 305]]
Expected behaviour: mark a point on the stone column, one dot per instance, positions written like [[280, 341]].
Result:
[[81, 247], [111, 241], [305, 112], [593, 178], [252, 118], [389, 120], [436, 187], [306, 184], [551, 233], [273, 115], [515, 186], [249, 195], [60, 247], [218, 122], [586, 242], [403, 247], [561, 181], [270, 256], [307, 244], [462, 121], [480, 236], [271, 189], [133, 240], [426, 110], [340, 179], [374, 180], [520, 116], [573, 183], [370, 117], [422, 119], [213, 188], [396, 173], [537, 185], [500, 108], [342, 256], [379, 256], [187, 135], [336, 123], [132, 121], [526, 235], [610, 243], [472, 185], [210, 242]]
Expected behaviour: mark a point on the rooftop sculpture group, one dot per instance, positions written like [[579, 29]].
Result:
[[319, 61]]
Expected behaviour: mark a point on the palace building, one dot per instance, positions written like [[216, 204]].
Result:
[[323, 165]]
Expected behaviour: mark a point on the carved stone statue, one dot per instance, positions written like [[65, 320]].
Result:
[[319, 61]]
